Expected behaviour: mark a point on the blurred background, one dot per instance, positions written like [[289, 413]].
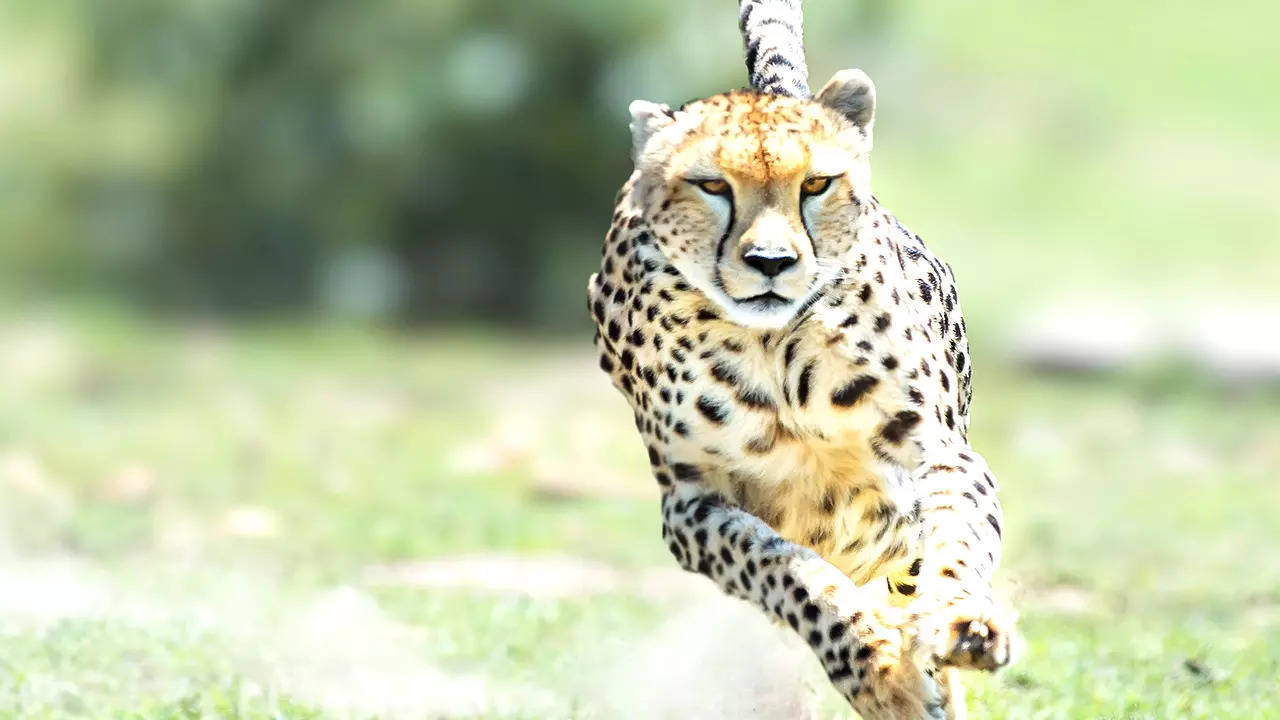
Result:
[[298, 415]]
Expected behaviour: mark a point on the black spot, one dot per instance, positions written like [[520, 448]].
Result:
[[915, 567], [706, 505], [915, 395], [905, 588], [889, 362], [790, 353], [851, 393], [675, 551], [712, 410], [882, 322], [705, 314], [895, 431], [606, 364], [685, 471], [725, 373], [994, 523], [615, 331], [628, 359], [654, 459], [755, 397], [802, 387], [811, 612]]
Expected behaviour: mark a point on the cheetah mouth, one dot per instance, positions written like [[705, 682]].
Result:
[[768, 299]]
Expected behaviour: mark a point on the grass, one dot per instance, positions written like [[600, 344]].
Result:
[[193, 519]]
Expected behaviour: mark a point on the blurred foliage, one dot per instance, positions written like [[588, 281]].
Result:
[[442, 160]]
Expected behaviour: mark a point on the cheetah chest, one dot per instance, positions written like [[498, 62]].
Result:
[[801, 434]]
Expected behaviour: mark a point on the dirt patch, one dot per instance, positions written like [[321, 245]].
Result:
[[342, 653], [720, 659], [337, 650]]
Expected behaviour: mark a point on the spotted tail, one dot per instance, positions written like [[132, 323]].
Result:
[[773, 32]]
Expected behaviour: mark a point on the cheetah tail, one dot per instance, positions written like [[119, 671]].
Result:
[[773, 33]]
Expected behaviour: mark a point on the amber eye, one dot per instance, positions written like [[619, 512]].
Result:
[[814, 186], [713, 187]]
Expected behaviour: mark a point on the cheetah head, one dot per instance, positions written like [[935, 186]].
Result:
[[752, 197]]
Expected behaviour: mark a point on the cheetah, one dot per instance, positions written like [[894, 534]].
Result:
[[799, 371]]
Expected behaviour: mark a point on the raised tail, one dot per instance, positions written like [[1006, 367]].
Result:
[[773, 33]]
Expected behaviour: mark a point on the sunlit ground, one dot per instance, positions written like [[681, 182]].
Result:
[[297, 522]]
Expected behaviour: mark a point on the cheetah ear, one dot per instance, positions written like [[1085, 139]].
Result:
[[647, 118], [852, 94]]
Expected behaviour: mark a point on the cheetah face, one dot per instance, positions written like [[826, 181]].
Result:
[[754, 198]]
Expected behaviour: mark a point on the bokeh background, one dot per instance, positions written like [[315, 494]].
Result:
[[298, 416]]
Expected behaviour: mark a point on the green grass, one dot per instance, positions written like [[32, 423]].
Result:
[[1141, 534]]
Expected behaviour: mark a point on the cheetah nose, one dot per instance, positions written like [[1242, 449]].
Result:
[[770, 262]]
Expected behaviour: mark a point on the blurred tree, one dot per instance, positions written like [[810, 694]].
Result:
[[423, 161]]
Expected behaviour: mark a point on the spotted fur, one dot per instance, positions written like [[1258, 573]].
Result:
[[807, 426]]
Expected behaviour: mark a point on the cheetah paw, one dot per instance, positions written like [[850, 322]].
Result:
[[899, 682], [976, 638], [901, 692]]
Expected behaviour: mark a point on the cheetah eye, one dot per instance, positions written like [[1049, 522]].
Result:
[[712, 187], [815, 185]]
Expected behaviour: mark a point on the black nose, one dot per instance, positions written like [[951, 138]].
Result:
[[769, 262]]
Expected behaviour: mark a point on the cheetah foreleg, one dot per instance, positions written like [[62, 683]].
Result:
[[881, 670], [953, 581]]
